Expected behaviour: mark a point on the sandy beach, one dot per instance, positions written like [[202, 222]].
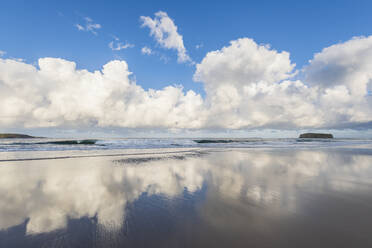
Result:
[[196, 197]]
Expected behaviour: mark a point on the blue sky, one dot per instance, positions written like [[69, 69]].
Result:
[[35, 29], [260, 76]]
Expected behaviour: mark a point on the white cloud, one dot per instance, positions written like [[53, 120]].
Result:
[[116, 45], [166, 34], [346, 64], [2, 53], [79, 27], [58, 94], [342, 73], [89, 26], [119, 46], [247, 86], [242, 63], [146, 50]]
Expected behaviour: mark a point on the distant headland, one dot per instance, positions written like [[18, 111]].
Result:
[[15, 136], [316, 136]]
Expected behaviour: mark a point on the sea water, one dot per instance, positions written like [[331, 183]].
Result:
[[46, 144]]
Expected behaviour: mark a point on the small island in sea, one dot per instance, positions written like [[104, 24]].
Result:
[[316, 136], [15, 136]]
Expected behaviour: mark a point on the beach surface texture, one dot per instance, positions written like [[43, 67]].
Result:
[[185, 193]]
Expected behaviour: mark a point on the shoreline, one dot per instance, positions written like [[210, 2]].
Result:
[[129, 152], [18, 156]]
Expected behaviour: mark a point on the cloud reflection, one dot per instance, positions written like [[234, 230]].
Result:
[[46, 194]]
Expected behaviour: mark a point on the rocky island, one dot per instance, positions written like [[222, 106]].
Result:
[[15, 136], [316, 136]]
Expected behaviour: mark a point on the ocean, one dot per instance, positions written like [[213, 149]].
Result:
[[46, 144]]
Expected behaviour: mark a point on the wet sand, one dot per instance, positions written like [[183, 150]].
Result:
[[198, 198]]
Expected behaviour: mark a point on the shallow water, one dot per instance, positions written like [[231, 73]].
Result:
[[47, 144], [200, 198]]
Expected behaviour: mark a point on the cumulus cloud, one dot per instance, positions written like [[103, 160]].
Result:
[[2, 53], [346, 64], [247, 85], [89, 26], [243, 63], [146, 50], [58, 94], [250, 85], [342, 73], [166, 34]]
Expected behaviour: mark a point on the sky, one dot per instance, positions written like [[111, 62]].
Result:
[[191, 67]]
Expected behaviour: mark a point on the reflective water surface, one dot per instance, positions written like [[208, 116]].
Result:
[[235, 198]]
